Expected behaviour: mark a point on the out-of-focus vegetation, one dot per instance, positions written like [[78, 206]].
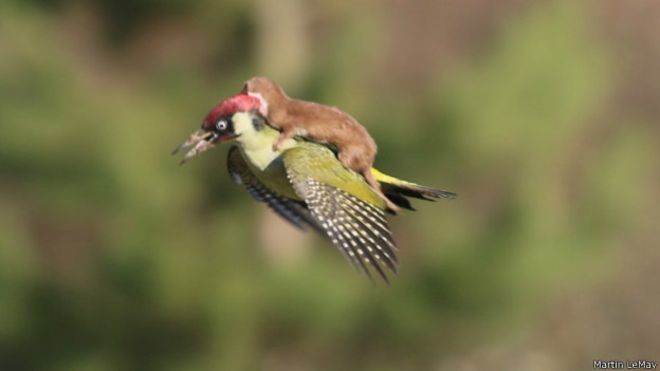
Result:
[[543, 116]]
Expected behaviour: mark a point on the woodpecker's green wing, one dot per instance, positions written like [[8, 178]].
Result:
[[348, 210], [295, 212]]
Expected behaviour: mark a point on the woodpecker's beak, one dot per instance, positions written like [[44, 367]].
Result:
[[200, 141]]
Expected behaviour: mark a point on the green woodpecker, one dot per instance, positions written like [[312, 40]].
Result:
[[305, 183]]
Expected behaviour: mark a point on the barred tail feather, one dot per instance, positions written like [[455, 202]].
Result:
[[397, 190]]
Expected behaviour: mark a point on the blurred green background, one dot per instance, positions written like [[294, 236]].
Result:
[[542, 115]]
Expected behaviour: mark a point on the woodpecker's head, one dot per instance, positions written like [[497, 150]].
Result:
[[220, 124]]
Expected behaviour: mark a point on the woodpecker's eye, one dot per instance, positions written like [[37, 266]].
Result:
[[221, 125]]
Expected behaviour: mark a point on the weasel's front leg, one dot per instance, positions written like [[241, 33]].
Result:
[[284, 136]]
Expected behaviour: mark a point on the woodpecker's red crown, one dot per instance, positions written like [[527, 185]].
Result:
[[238, 103]]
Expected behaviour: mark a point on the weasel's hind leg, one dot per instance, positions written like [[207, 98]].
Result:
[[369, 176], [354, 159]]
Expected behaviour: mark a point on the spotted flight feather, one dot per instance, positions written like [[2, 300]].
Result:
[[358, 229]]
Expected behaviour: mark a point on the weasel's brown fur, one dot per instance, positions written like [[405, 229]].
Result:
[[322, 123]]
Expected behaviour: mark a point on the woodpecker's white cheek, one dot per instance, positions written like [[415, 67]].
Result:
[[242, 123]]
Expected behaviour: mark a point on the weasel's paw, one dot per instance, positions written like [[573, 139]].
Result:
[[276, 146]]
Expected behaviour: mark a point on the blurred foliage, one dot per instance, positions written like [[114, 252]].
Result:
[[112, 257]]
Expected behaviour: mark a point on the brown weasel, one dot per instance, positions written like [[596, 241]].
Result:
[[321, 123]]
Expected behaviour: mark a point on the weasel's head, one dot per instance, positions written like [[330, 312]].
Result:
[[264, 89]]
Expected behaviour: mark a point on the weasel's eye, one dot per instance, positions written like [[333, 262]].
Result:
[[257, 123], [221, 125]]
